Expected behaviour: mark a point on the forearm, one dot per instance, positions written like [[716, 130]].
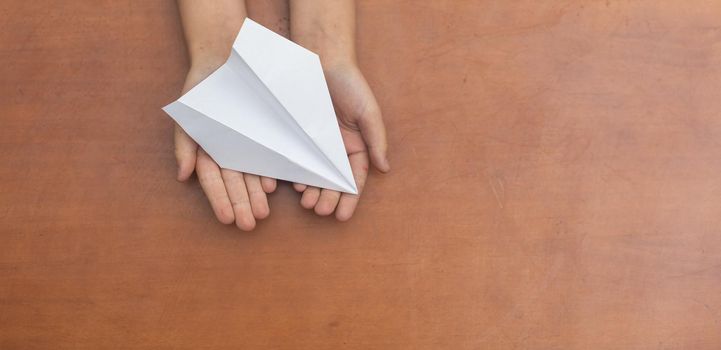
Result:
[[326, 27], [210, 27]]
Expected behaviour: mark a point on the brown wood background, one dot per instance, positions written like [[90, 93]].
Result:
[[555, 186]]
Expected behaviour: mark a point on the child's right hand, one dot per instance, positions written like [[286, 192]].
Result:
[[235, 196]]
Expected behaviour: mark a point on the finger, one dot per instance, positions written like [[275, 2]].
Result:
[[268, 183], [238, 195], [185, 153], [327, 202], [348, 202], [374, 134], [310, 197], [212, 184], [299, 187], [258, 199]]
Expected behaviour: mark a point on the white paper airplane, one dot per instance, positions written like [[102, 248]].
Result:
[[267, 111]]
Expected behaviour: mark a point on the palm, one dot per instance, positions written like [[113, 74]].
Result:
[[234, 196], [362, 131]]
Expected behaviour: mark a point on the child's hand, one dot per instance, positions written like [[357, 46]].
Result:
[[363, 133], [234, 196], [327, 27]]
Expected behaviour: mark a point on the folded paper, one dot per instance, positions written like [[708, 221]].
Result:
[[267, 111]]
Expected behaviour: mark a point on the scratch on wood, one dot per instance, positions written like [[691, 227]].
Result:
[[499, 191]]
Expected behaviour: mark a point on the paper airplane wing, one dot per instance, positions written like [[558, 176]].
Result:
[[267, 111]]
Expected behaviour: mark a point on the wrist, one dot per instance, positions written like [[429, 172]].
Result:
[[198, 71], [334, 58], [209, 53], [334, 51], [207, 62], [335, 62]]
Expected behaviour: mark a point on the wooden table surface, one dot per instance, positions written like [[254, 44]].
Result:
[[556, 184]]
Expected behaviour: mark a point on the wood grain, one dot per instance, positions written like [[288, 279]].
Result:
[[555, 185]]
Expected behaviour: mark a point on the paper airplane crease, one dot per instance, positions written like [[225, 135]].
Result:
[[267, 111]]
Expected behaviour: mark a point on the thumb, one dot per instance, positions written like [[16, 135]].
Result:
[[374, 134], [185, 153]]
